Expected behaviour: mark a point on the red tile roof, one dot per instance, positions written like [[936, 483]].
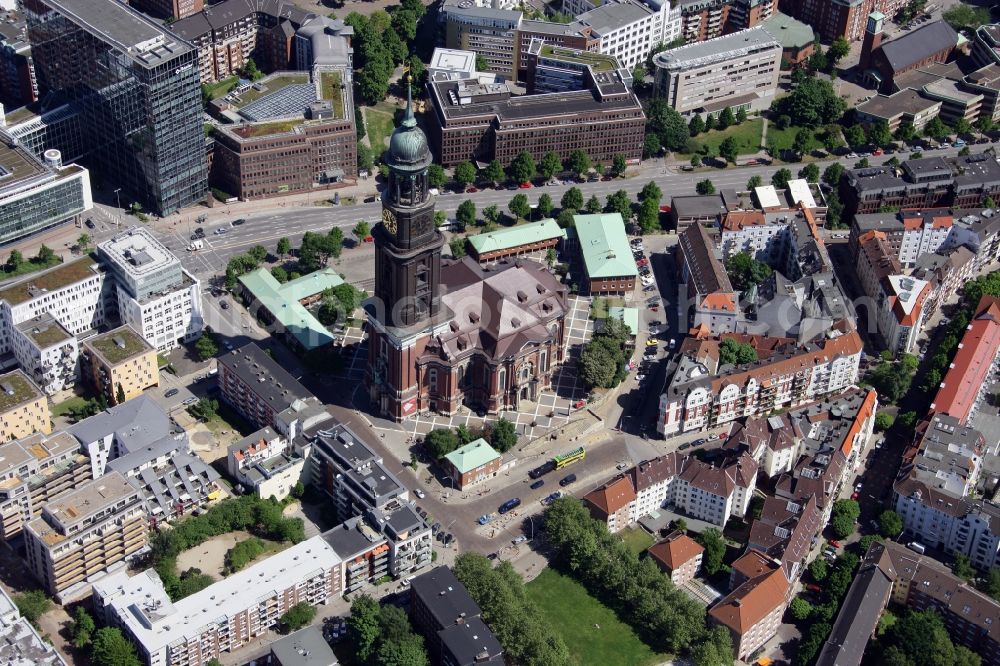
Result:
[[752, 601], [676, 550], [613, 496], [972, 361], [738, 219]]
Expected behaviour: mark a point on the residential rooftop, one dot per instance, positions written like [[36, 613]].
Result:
[[53, 279], [119, 345], [267, 378], [86, 501], [16, 389], [44, 331]]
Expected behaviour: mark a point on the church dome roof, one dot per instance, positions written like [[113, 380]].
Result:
[[408, 143]]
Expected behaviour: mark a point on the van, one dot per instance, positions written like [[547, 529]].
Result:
[[917, 547]]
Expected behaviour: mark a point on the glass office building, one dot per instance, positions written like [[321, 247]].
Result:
[[137, 89]]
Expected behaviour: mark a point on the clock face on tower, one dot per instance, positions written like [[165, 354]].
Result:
[[389, 220]]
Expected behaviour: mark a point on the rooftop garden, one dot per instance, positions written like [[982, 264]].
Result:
[[267, 129], [119, 345], [269, 86], [54, 279], [600, 63], [330, 89], [48, 334], [14, 390]]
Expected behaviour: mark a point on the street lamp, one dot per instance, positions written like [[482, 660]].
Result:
[[119, 200]]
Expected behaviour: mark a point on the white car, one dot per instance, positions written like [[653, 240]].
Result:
[[419, 493], [520, 539], [647, 280]]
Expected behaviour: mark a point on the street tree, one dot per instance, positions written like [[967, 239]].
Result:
[[651, 146], [855, 135], [649, 216], [435, 176], [754, 182], [545, 205], [619, 202], [110, 648], [361, 230], [651, 191], [618, 165], [572, 199], [705, 187], [802, 142], [810, 172], [593, 205], [668, 124], [578, 163], [550, 165], [839, 48], [879, 134], [728, 149], [465, 174], [522, 168], [696, 125], [519, 206], [780, 178], [465, 214], [83, 242], [890, 524], [832, 174], [494, 172]]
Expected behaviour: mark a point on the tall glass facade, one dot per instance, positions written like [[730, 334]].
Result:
[[137, 86], [40, 205]]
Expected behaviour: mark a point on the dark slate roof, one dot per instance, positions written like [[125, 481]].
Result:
[[470, 642], [906, 51], [860, 610], [445, 597], [267, 378]]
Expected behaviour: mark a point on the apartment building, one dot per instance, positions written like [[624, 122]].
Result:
[[844, 18], [921, 583], [46, 352], [901, 312], [169, 9], [696, 399], [39, 193], [84, 534], [607, 258], [932, 182], [119, 363], [253, 384], [784, 532], [231, 32], [34, 471], [156, 296], [909, 233], [224, 616], [491, 33], [20, 643], [24, 409], [679, 556], [946, 272], [947, 455], [152, 90], [484, 121], [704, 491], [771, 441], [752, 611], [266, 463], [965, 383], [737, 71], [77, 294], [444, 612], [711, 299], [473, 463]]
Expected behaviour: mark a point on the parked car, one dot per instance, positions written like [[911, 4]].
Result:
[[89, 223], [813, 587], [519, 539], [566, 480], [485, 519], [834, 543], [419, 493], [538, 484], [171, 393], [239, 221], [684, 447], [224, 305], [509, 505], [190, 401]]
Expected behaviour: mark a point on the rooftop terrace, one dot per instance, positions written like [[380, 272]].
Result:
[[597, 61]]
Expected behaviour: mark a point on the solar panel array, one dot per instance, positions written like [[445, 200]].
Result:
[[291, 100]]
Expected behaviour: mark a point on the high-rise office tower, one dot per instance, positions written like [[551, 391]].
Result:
[[137, 87]]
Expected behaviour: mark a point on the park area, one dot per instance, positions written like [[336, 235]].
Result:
[[594, 634], [379, 122]]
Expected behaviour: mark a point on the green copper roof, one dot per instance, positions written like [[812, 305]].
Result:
[[474, 454], [604, 246], [408, 143], [792, 34], [282, 301], [522, 234]]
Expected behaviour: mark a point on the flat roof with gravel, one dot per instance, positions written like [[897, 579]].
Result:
[[119, 345], [16, 389]]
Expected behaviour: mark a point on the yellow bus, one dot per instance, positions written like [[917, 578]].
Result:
[[569, 458]]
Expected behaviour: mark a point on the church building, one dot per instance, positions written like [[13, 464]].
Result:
[[444, 334]]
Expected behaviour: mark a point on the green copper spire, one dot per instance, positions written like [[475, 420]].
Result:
[[408, 119]]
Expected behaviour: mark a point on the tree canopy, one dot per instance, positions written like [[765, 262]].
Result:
[[745, 271], [812, 103]]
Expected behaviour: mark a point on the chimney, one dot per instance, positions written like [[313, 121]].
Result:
[[872, 39]]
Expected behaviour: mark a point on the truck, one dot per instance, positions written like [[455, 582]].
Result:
[[196, 245], [917, 547]]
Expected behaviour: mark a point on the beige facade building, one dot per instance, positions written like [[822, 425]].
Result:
[[24, 409], [119, 358], [84, 534], [737, 71], [35, 471]]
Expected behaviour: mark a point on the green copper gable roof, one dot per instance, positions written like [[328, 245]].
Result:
[[604, 246], [792, 34], [474, 454], [523, 234], [282, 301]]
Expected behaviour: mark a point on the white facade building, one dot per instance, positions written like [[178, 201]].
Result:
[[223, 616], [156, 296], [46, 352], [628, 29], [901, 311]]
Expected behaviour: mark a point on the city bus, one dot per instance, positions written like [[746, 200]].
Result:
[[569, 458]]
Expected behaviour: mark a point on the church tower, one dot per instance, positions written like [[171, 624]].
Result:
[[407, 242], [404, 310]]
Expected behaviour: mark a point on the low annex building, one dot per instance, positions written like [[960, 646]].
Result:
[[679, 556], [712, 301], [607, 258], [473, 463], [523, 239], [284, 305]]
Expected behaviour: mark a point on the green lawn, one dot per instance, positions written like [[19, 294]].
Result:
[[220, 88], [379, 123], [747, 137], [575, 615], [637, 539], [66, 406], [599, 306], [783, 139], [28, 266]]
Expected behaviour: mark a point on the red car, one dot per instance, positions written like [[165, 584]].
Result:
[[472, 190], [855, 496], [369, 239], [813, 587], [525, 186], [834, 543], [642, 262]]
